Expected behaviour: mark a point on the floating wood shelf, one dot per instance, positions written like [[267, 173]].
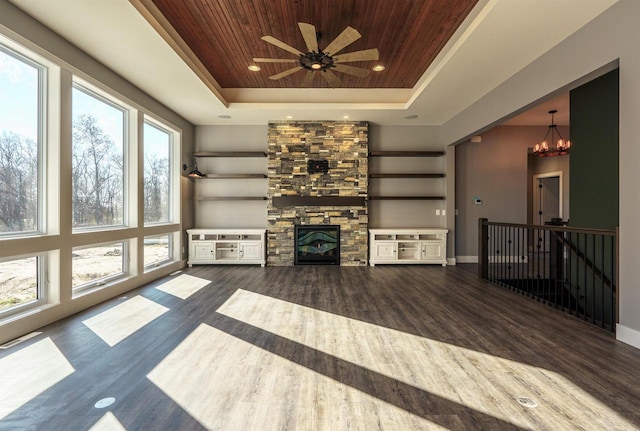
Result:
[[233, 176], [329, 201], [406, 198], [231, 198], [401, 175], [406, 153], [230, 154]]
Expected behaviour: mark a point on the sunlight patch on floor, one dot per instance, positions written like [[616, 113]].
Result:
[[483, 382], [119, 322], [29, 372], [227, 383], [183, 286], [108, 422]]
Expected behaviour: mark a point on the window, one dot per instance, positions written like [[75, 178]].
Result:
[[19, 282], [98, 161], [157, 250], [21, 95], [98, 264], [157, 174]]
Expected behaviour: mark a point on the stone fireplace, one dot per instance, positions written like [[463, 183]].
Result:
[[318, 175]]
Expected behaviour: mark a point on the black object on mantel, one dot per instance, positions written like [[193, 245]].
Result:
[[318, 166], [318, 201]]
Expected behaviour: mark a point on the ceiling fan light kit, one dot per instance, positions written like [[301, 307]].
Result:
[[318, 60]]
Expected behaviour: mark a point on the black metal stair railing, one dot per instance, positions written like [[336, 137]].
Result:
[[567, 268]]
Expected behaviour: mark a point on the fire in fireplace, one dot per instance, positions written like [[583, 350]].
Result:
[[317, 245]]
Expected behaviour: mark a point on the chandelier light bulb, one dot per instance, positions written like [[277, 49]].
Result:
[[559, 147]]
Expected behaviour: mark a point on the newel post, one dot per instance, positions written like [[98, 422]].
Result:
[[483, 248]]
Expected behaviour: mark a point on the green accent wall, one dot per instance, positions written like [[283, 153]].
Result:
[[594, 154]]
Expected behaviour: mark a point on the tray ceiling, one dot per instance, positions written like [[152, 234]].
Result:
[[225, 36], [433, 72]]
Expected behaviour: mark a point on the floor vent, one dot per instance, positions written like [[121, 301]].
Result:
[[17, 341], [527, 402], [104, 403]]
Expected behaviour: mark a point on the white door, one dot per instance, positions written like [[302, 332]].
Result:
[[385, 251], [433, 250], [547, 196], [250, 251], [202, 250]]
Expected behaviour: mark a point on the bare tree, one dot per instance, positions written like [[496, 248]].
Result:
[[18, 183], [97, 175], [156, 187]]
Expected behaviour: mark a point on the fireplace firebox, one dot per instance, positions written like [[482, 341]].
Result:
[[317, 245]]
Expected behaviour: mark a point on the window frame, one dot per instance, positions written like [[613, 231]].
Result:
[[173, 136], [42, 288], [20, 54], [103, 282], [127, 111], [158, 263]]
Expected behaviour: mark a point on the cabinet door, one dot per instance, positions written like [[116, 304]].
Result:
[[201, 250], [251, 251], [385, 250], [433, 250]]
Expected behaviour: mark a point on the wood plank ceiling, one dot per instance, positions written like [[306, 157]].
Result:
[[225, 35]]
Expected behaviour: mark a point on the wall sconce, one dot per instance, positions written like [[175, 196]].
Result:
[[193, 171]]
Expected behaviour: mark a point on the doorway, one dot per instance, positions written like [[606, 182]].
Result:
[[547, 197], [547, 203]]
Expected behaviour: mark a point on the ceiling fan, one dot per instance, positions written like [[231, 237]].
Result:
[[324, 60]]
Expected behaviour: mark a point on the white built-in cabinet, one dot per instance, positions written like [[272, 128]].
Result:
[[226, 246], [404, 246]]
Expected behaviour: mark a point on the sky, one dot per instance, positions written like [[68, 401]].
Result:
[[18, 97], [19, 108]]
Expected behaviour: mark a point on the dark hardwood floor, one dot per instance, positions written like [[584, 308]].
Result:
[[320, 348]]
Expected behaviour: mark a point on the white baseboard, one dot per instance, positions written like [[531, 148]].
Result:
[[628, 335], [467, 259], [451, 261]]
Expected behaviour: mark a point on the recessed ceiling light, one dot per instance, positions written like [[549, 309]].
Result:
[[346, 117], [411, 117], [224, 117], [378, 68], [254, 67], [289, 117]]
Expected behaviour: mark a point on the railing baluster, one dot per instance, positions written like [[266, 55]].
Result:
[[602, 284], [614, 281], [568, 268], [593, 280]]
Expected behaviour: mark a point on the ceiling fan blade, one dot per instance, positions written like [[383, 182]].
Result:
[[275, 60], [308, 79], [351, 70], [347, 37], [309, 34], [331, 78], [285, 73], [280, 44], [364, 55]]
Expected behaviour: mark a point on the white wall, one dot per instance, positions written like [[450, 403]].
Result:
[[496, 170], [231, 214], [383, 214], [610, 39]]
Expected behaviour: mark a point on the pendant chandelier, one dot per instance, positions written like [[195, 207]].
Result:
[[558, 147]]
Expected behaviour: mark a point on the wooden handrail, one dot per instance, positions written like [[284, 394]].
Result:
[[553, 228]]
